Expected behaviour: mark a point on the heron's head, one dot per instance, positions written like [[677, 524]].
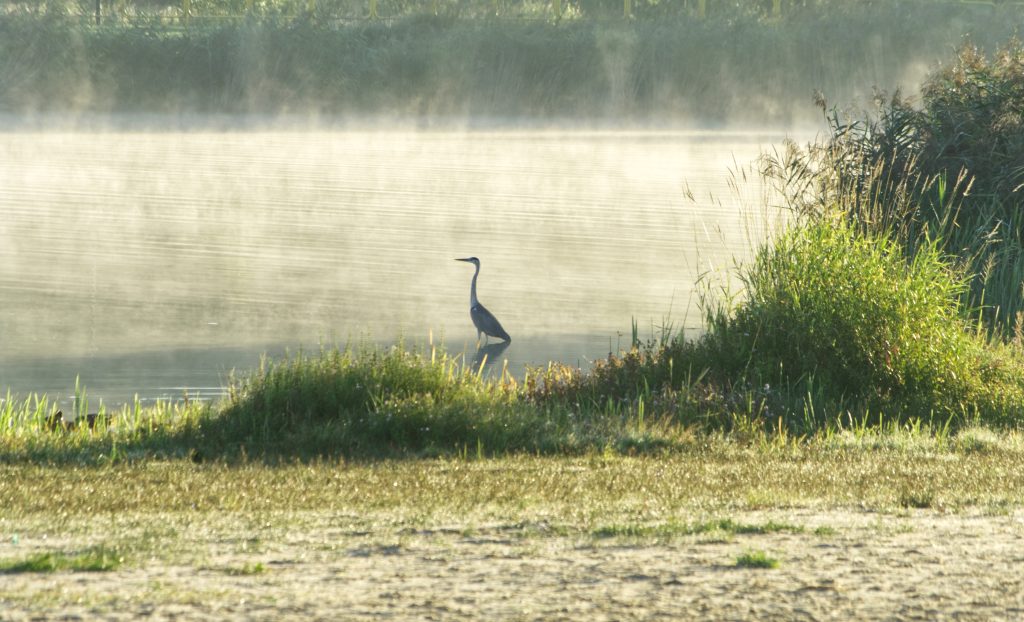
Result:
[[472, 260]]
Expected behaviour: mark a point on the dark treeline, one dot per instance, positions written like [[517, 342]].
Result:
[[739, 68], [111, 11]]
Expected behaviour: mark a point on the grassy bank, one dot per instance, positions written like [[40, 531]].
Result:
[[757, 378], [974, 468], [734, 68]]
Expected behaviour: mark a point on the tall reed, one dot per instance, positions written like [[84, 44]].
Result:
[[951, 170]]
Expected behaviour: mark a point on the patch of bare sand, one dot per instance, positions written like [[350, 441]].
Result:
[[924, 565]]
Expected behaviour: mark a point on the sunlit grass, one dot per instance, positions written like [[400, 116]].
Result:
[[940, 170], [247, 569], [372, 404], [96, 559], [844, 314], [725, 526], [756, 559], [35, 429], [714, 475], [835, 332]]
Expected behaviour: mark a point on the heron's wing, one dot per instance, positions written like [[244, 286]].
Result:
[[486, 322]]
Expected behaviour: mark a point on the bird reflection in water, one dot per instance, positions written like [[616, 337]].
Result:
[[487, 355]]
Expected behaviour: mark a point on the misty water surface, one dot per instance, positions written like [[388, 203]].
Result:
[[156, 262]]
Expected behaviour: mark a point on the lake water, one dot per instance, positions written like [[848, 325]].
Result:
[[157, 262]]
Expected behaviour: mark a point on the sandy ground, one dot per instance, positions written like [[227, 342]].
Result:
[[921, 565]]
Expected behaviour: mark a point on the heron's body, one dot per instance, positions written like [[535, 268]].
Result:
[[483, 319]]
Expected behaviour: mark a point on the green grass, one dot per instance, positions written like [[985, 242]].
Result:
[[28, 431], [844, 316], [377, 403], [835, 330], [715, 475], [247, 569], [97, 559], [724, 526], [942, 169], [756, 559]]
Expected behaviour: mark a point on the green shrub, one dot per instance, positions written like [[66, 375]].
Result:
[[972, 119], [850, 312], [951, 169], [834, 324], [756, 559]]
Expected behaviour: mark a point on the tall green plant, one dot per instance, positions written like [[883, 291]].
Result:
[[846, 309], [950, 170]]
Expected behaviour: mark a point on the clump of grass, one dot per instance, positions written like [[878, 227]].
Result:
[[846, 311], [917, 499], [661, 531], [247, 569], [947, 169], [980, 440], [34, 428], [674, 529], [372, 402], [836, 329], [97, 559], [756, 559]]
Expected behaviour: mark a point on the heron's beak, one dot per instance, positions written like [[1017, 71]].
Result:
[[457, 259]]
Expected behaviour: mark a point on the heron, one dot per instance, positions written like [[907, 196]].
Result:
[[483, 319]]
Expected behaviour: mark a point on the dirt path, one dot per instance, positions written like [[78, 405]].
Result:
[[838, 565]]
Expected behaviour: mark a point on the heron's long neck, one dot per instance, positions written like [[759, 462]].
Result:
[[472, 288]]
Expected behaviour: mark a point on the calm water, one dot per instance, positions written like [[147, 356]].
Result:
[[152, 263]]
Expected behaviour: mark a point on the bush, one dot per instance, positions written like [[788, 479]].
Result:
[[835, 325], [850, 313], [369, 403], [972, 120], [951, 170]]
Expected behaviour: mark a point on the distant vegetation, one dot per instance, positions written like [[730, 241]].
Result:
[[740, 65], [114, 11]]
